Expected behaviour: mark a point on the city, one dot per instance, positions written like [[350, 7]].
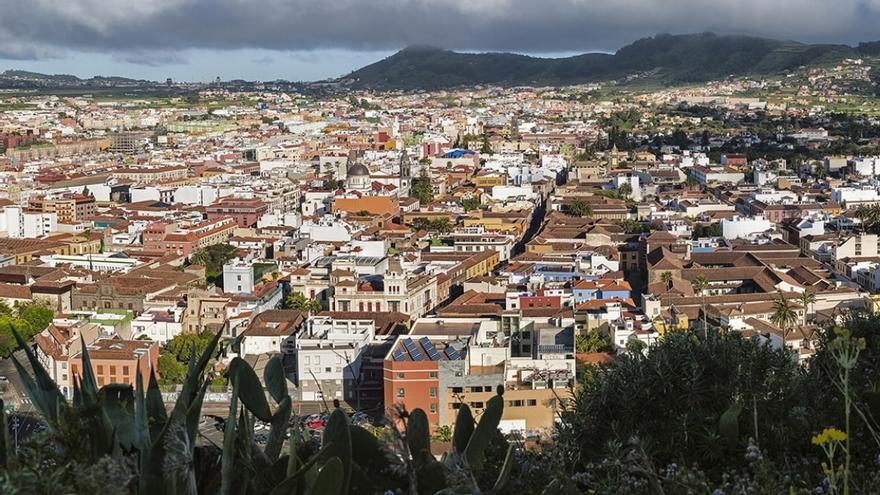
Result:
[[380, 285]]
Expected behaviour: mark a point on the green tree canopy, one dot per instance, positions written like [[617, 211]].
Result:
[[299, 302], [580, 208], [213, 258]]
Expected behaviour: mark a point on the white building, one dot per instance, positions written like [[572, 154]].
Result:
[[18, 224], [160, 325], [238, 277], [327, 355], [744, 227]]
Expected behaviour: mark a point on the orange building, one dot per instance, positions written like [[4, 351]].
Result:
[[375, 205], [118, 361], [411, 383]]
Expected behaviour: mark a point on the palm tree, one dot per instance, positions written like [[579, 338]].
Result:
[[580, 208], [806, 299], [784, 316], [700, 285], [666, 278]]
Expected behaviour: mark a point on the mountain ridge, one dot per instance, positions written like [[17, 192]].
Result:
[[677, 58]]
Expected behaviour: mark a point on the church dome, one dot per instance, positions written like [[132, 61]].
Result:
[[358, 170]]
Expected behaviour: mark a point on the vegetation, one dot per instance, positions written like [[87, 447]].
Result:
[[784, 316], [213, 258], [441, 225], [580, 208], [300, 302], [28, 319], [470, 204], [421, 187], [700, 285], [670, 58], [593, 341], [177, 352], [119, 439]]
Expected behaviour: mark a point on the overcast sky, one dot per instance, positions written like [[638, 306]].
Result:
[[315, 39]]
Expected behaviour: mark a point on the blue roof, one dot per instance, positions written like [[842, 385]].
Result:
[[458, 153]]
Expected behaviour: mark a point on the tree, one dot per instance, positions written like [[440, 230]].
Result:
[[213, 258], [784, 316], [666, 278], [806, 299], [635, 346], [470, 204], [580, 208], [299, 302], [593, 341], [700, 285], [183, 344], [676, 392], [421, 188], [485, 147], [7, 341], [625, 190], [37, 315], [171, 371]]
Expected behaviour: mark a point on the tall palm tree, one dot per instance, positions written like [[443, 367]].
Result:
[[806, 299], [666, 278], [784, 316], [700, 285]]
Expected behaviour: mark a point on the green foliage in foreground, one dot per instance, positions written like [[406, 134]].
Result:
[[697, 413], [119, 439]]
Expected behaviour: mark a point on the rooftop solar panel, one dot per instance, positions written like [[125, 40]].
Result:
[[398, 356], [429, 348], [451, 353], [413, 351]]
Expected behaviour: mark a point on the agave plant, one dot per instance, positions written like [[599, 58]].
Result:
[[122, 422]]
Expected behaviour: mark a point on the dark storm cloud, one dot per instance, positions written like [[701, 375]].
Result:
[[134, 28]]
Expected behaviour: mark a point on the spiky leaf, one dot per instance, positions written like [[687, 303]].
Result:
[[505, 470], [728, 424], [484, 431], [276, 382], [250, 389], [338, 436], [41, 389], [277, 429], [464, 428], [418, 437], [117, 400], [331, 478]]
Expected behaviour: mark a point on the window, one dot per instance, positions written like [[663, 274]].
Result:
[[100, 369], [476, 405], [455, 405], [515, 403], [328, 370], [476, 389], [400, 393], [433, 407], [317, 359], [112, 370], [432, 374], [125, 370], [532, 402], [401, 375], [306, 360], [457, 390], [432, 392]]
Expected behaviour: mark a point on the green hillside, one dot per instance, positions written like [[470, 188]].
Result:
[[667, 58]]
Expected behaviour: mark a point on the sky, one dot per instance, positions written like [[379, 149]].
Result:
[[300, 40]]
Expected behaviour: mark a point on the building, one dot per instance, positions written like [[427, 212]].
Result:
[[118, 361], [245, 212]]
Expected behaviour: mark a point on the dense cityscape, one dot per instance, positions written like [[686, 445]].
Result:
[[628, 285]]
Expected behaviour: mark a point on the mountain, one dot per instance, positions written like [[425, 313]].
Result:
[[666, 58]]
